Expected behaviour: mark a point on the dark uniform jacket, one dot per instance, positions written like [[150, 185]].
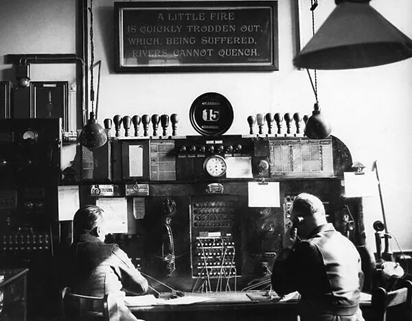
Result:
[[326, 270], [92, 267]]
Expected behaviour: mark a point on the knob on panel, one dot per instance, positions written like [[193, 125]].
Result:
[[136, 123], [288, 120], [155, 123], [210, 149], [145, 122], [278, 119], [263, 165], [269, 120], [117, 119], [174, 119], [260, 122], [164, 120], [126, 124], [251, 121]]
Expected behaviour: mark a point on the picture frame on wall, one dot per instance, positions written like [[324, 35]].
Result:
[[5, 102], [49, 99], [186, 36]]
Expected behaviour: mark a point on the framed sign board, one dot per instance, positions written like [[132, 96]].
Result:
[[196, 36]]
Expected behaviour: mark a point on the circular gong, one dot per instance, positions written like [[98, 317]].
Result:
[[211, 114]]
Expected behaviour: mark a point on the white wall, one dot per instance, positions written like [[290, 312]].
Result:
[[38, 27], [370, 109]]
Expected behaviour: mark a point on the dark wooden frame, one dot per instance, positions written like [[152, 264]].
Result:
[[38, 100], [5, 102], [142, 56]]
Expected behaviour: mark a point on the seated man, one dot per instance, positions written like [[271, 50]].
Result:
[[91, 267], [320, 263]]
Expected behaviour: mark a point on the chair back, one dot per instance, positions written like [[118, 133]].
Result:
[[83, 307], [394, 305]]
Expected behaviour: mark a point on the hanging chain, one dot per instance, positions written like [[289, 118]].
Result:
[[91, 56], [314, 4]]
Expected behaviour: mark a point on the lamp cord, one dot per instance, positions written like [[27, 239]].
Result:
[[313, 6], [91, 57]]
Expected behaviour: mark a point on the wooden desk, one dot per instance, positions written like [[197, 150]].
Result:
[[13, 294], [226, 306]]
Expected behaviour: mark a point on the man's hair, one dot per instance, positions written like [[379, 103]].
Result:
[[308, 205], [85, 219]]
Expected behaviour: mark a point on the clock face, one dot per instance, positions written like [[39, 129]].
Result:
[[215, 166]]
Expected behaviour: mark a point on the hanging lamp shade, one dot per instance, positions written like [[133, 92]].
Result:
[[317, 126], [93, 135], [355, 35]]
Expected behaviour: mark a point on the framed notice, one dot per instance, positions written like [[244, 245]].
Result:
[[196, 36]]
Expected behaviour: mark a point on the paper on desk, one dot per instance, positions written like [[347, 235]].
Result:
[[365, 297], [149, 299], [142, 300], [291, 296], [186, 300]]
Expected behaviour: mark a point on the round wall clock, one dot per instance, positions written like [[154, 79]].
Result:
[[215, 166], [211, 114]]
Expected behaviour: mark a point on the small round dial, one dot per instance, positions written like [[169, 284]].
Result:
[[215, 166]]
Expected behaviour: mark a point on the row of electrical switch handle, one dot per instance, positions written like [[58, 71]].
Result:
[[164, 121], [145, 120], [25, 242]]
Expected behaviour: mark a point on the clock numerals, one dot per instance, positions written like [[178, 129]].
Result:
[[215, 166]]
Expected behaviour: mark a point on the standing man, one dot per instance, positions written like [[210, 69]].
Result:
[[320, 263], [91, 267]]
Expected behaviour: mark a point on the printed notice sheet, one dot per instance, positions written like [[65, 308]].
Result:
[[68, 202], [360, 185], [239, 167], [135, 160], [115, 213], [263, 194]]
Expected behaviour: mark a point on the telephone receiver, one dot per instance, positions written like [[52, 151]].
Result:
[[297, 221]]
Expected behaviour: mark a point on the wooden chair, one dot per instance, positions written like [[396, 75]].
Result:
[[82, 307], [395, 305]]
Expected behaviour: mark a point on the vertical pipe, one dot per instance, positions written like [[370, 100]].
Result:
[[81, 51]]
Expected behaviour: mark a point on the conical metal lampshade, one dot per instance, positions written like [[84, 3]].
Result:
[[93, 135], [355, 35]]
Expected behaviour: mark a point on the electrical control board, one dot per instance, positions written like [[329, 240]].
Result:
[[179, 206]]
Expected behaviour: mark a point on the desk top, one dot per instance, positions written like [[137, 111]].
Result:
[[219, 300]]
